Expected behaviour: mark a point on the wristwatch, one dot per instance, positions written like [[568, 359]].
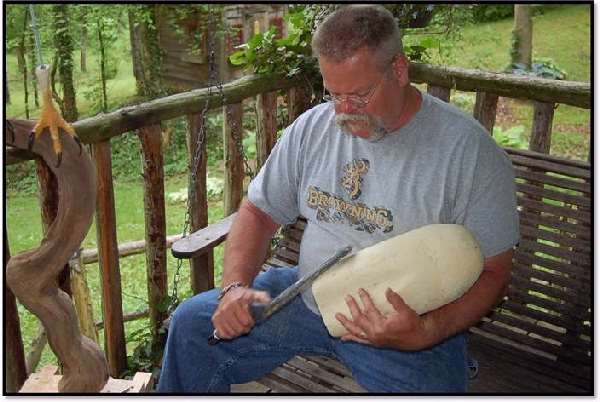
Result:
[[229, 287]]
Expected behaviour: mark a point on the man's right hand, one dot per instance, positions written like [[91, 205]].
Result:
[[232, 317]]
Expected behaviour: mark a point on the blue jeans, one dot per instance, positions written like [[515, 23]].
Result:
[[190, 365]]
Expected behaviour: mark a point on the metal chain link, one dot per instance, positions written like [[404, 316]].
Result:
[[213, 79], [197, 158]]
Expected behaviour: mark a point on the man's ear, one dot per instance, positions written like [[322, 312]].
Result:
[[400, 68]]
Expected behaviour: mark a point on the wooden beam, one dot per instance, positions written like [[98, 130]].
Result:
[[15, 370], [82, 298], [512, 86], [485, 110], [105, 126], [202, 267], [156, 225], [541, 130], [266, 132], [442, 93], [114, 331], [234, 165], [126, 249]]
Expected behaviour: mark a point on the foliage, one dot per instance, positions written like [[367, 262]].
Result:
[[513, 137], [194, 21], [543, 67], [144, 354], [491, 12], [290, 55]]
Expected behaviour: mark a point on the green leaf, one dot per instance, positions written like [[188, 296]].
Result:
[[238, 58]]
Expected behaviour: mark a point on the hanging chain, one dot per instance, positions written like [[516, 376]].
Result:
[[36, 36], [197, 158]]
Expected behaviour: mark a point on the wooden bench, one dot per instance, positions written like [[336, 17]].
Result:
[[538, 339]]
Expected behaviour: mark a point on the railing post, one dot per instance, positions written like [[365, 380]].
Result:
[[484, 111], [82, 298], [156, 225], [442, 93], [298, 102], [234, 165], [541, 130], [108, 259], [16, 372], [266, 133], [202, 267]]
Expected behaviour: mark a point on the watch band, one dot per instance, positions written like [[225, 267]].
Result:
[[229, 287]]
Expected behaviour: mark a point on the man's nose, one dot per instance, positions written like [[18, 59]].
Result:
[[344, 106]]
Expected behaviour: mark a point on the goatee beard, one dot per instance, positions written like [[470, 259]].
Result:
[[375, 128]]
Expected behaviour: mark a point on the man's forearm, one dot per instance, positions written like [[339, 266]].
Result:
[[466, 311], [247, 244]]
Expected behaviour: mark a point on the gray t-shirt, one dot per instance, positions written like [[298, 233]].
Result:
[[441, 167]]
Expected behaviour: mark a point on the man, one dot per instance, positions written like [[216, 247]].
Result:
[[403, 156]]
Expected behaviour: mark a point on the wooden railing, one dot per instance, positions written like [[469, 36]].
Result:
[[145, 120]]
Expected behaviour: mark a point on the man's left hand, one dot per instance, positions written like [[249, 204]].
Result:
[[403, 329]]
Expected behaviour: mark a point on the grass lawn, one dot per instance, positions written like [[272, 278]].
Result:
[[24, 211], [562, 34]]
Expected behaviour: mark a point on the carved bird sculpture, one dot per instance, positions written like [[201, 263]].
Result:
[[50, 118]]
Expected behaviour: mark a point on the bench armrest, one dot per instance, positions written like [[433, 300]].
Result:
[[203, 240]]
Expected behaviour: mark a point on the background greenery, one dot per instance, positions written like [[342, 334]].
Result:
[[561, 34]]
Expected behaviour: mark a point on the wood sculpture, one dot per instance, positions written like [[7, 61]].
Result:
[[33, 275]]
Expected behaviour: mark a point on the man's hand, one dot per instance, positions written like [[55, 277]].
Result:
[[404, 329], [232, 317]]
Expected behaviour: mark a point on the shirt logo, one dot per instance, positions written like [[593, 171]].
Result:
[[352, 179], [335, 209]]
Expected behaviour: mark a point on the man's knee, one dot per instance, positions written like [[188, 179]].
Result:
[[195, 311]]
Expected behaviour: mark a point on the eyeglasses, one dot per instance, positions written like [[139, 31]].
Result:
[[357, 101]]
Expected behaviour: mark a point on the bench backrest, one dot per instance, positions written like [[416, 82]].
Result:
[[546, 314]]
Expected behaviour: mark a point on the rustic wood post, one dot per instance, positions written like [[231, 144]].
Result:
[[442, 93], [156, 225], [541, 130], [234, 164], [48, 188], [484, 111], [266, 133], [108, 258], [298, 102], [82, 298], [16, 372], [203, 272]]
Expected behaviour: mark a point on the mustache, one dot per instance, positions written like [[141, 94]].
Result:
[[345, 117]]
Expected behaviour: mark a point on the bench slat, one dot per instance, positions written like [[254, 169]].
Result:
[[558, 181], [559, 211], [553, 195], [537, 233], [551, 166]]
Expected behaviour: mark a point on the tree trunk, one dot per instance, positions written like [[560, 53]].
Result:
[[24, 71], [84, 42], [136, 55], [20, 50], [6, 93], [64, 47], [522, 36], [102, 64], [145, 51], [30, 54]]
